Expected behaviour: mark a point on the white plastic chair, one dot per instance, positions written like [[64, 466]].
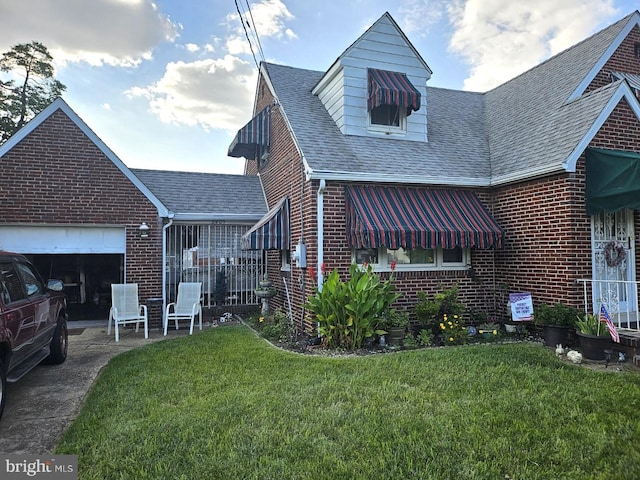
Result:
[[186, 306], [126, 309]]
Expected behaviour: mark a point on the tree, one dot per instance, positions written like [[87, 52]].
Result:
[[30, 87]]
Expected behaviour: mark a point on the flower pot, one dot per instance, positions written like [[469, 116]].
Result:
[[510, 328], [395, 335], [593, 346], [556, 335]]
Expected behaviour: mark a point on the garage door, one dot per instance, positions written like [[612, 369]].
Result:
[[45, 239]]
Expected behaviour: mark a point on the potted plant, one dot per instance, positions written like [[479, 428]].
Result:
[[557, 322], [396, 324], [594, 336]]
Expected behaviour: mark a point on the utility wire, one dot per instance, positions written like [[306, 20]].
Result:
[[246, 34], [255, 32]]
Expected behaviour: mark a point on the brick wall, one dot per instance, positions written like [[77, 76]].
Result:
[[622, 60], [548, 233], [58, 176]]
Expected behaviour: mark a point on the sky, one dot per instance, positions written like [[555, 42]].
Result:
[[167, 84]]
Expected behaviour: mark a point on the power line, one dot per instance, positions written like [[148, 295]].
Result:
[[246, 34], [255, 32]]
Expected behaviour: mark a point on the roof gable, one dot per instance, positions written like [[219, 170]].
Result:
[[619, 30], [60, 104], [345, 88], [533, 128]]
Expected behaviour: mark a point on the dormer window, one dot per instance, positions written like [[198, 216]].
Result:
[[387, 115], [391, 99]]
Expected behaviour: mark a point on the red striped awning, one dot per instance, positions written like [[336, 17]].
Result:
[[395, 217], [391, 88], [271, 232], [253, 140]]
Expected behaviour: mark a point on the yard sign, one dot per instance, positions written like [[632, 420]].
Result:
[[521, 306]]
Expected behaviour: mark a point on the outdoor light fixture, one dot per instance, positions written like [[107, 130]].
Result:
[[144, 230]]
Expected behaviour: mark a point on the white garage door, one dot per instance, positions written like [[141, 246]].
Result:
[[44, 239]]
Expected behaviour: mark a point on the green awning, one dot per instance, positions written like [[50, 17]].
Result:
[[613, 180]]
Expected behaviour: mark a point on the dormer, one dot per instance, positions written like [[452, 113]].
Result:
[[378, 86]]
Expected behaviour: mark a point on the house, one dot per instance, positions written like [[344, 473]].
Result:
[[80, 214], [513, 190]]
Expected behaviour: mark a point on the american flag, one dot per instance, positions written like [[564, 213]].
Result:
[[604, 317]]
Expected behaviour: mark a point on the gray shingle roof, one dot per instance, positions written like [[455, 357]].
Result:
[[527, 115], [206, 196], [455, 129], [524, 127]]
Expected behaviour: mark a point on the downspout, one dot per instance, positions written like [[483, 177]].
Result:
[[164, 265], [321, 190]]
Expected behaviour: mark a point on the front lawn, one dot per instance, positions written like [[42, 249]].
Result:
[[224, 404]]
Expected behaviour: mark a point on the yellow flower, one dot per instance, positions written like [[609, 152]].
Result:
[[261, 319], [442, 326], [445, 317], [451, 339], [495, 332], [455, 316], [450, 324]]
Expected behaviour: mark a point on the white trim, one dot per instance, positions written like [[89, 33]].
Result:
[[422, 180], [623, 91], [60, 104], [598, 66], [382, 264]]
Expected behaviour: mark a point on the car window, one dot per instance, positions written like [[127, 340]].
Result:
[[31, 281], [11, 284]]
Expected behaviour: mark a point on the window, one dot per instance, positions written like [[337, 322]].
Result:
[[415, 259], [285, 264], [33, 284], [387, 119], [388, 115]]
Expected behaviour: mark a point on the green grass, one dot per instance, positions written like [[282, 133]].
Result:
[[225, 404]]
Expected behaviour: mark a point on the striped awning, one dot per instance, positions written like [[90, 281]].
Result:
[[253, 140], [271, 232], [391, 88], [396, 217]]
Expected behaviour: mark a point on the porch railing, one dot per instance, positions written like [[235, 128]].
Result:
[[619, 297]]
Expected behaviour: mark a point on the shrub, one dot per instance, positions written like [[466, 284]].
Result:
[[430, 312], [452, 330], [559, 314], [349, 312]]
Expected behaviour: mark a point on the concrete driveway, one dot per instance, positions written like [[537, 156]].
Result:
[[44, 402]]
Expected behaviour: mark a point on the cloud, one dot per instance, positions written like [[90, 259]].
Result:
[[269, 17], [416, 17], [500, 39], [207, 93], [113, 32]]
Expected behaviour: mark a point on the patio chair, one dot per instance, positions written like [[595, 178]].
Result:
[[126, 309], [187, 305]]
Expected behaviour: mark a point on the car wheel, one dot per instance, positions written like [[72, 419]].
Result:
[[59, 343], [3, 387]]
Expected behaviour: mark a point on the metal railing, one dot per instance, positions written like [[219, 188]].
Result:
[[619, 297], [211, 253]]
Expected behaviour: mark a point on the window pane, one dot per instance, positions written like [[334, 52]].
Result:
[[11, 284], [386, 115], [33, 284], [369, 255], [452, 255], [404, 256], [421, 255]]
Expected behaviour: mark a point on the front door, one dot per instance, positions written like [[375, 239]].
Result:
[[613, 262]]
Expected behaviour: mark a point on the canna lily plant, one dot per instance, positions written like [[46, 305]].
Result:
[[349, 312]]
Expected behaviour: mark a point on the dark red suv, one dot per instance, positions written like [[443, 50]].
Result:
[[33, 320]]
